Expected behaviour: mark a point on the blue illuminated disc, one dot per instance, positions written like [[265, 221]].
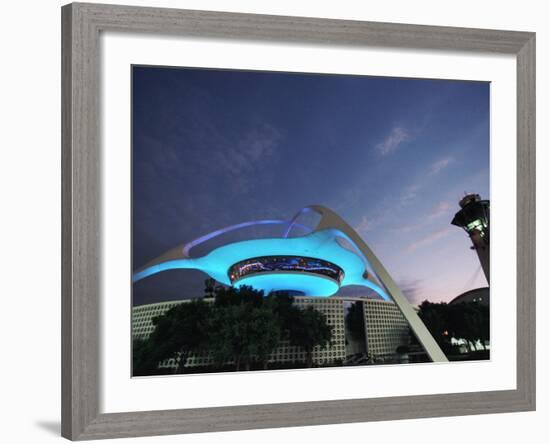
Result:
[[307, 283], [314, 264]]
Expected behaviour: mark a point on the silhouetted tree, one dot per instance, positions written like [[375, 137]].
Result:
[[209, 287], [485, 329], [245, 327], [180, 331], [144, 362], [436, 318], [227, 296], [467, 320], [309, 329], [242, 326], [355, 321]]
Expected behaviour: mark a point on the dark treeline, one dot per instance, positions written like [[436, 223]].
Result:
[[240, 328], [466, 320]]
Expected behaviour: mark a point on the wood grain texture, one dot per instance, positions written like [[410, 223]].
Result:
[[81, 235], [526, 221], [81, 222], [119, 425], [301, 29]]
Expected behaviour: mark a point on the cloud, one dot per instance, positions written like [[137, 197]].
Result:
[[365, 224], [393, 141], [427, 240], [254, 147], [407, 228], [439, 165], [409, 193], [412, 289], [385, 211], [439, 210], [194, 176]]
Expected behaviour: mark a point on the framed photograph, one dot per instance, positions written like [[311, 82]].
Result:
[[268, 213]]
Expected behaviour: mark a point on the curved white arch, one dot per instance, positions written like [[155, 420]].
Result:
[[329, 219], [182, 251], [293, 222], [199, 240], [323, 240]]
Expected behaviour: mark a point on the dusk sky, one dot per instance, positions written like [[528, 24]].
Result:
[[392, 156]]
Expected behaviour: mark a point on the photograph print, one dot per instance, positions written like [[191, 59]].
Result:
[[288, 220]]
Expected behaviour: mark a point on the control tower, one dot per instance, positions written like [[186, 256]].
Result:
[[474, 218]]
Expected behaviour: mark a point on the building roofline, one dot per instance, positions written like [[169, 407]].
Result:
[[468, 292], [314, 298]]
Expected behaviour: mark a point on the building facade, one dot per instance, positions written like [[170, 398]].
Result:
[[385, 330], [142, 327], [333, 309], [142, 317], [285, 263]]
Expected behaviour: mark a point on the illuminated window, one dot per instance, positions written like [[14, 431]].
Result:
[[270, 264]]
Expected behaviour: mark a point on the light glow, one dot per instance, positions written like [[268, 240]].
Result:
[[322, 246]]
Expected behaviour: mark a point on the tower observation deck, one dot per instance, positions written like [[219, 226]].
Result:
[[474, 218]]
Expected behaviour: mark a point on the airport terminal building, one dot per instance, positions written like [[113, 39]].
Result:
[[385, 330]]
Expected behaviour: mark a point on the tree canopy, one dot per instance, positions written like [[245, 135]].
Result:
[[241, 326], [181, 330], [355, 321], [244, 327], [466, 320], [309, 329]]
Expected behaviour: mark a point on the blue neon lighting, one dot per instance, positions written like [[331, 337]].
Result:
[[318, 244], [306, 283]]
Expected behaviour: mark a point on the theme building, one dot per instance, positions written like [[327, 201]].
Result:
[[316, 264]]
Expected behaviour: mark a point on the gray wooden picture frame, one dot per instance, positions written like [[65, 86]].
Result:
[[81, 171]]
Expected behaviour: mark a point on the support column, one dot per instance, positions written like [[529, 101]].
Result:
[[330, 219]]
